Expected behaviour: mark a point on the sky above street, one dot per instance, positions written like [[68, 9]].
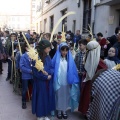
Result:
[[15, 6]]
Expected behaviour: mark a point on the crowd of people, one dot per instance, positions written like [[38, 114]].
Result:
[[77, 73]]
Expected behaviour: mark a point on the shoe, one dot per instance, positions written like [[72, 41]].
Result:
[[59, 116], [7, 79], [46, 118], [64, 115], [40, 118], [11, 82], [24, 105]]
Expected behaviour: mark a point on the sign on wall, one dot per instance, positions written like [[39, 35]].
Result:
[[111, 20]]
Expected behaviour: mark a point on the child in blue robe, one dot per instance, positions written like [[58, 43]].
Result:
[[43, 97], [66, 81]]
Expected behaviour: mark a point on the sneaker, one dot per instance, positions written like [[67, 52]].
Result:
[[40, 118], [24, 105], [46, 118]]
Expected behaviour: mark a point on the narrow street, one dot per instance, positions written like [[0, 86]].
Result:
[[10, 103]]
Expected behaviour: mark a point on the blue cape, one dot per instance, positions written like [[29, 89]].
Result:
[[72, 74]]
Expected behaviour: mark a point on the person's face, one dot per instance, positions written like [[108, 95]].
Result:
[[31, 45], [82, 47], [77, 32], [64, 52], [118, 35], [111, 52], [59, 41], [99, 37], [34, 36], [71, 48], [13, 37], [47, 50], [5, 34]]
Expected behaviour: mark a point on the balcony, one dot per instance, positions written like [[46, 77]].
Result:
[[110, 2]]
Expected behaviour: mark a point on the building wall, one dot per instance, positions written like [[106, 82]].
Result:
[[53, 9], [107, 19], [101, 19]]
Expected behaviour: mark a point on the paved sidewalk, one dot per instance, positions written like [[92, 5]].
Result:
[[10, 103]]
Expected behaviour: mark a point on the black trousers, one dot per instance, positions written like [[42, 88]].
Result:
[[0, 65]]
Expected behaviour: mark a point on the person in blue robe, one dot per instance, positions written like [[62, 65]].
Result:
[[66, 81], [43, 96]]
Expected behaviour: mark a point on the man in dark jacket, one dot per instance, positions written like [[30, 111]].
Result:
[[113, 38], [117, 44]]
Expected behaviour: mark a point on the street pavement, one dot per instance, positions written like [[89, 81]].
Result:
[[10, 103]]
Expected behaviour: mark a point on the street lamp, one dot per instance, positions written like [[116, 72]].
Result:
[[78, 2]]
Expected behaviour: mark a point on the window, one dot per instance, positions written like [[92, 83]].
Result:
[[18, 26], [74, 26], [33, 6], [51, 23], [45, 25], [37, 27], [41, 26], [64, 22], [86, 15], [13, 18]]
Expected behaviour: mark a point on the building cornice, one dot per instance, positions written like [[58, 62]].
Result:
[[53, 6], [43, 12]]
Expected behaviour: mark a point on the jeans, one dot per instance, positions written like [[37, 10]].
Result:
[[9, 68], [25, 88]]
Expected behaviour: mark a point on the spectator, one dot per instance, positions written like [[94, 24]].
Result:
[[77, 37], [28, 35], [117, 44], [113, 39], [102, 42]]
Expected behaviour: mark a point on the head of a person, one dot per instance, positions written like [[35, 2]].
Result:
[[118, 36], [28, 31], [27, 47], [71, 46], [99, 35], [58, 41], [47, 36], [78, 32], [17, 47], [13, 36], [64, 49], [44, 46], [117, 30], [34, 35], [6, 33], [112, 52], [83, 44]]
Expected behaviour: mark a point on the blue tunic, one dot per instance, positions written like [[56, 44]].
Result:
[[43, 96]]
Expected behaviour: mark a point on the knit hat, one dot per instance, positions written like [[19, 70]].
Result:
[[43, 44]]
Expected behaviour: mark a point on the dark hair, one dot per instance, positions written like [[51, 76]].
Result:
[[34, 33], [31, 42], [64, 48], [13, 34], [7, 31], [71, 44], [100, 34], [117, 30], [83, 41]]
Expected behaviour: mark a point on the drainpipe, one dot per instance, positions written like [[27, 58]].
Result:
[[93, 15]]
